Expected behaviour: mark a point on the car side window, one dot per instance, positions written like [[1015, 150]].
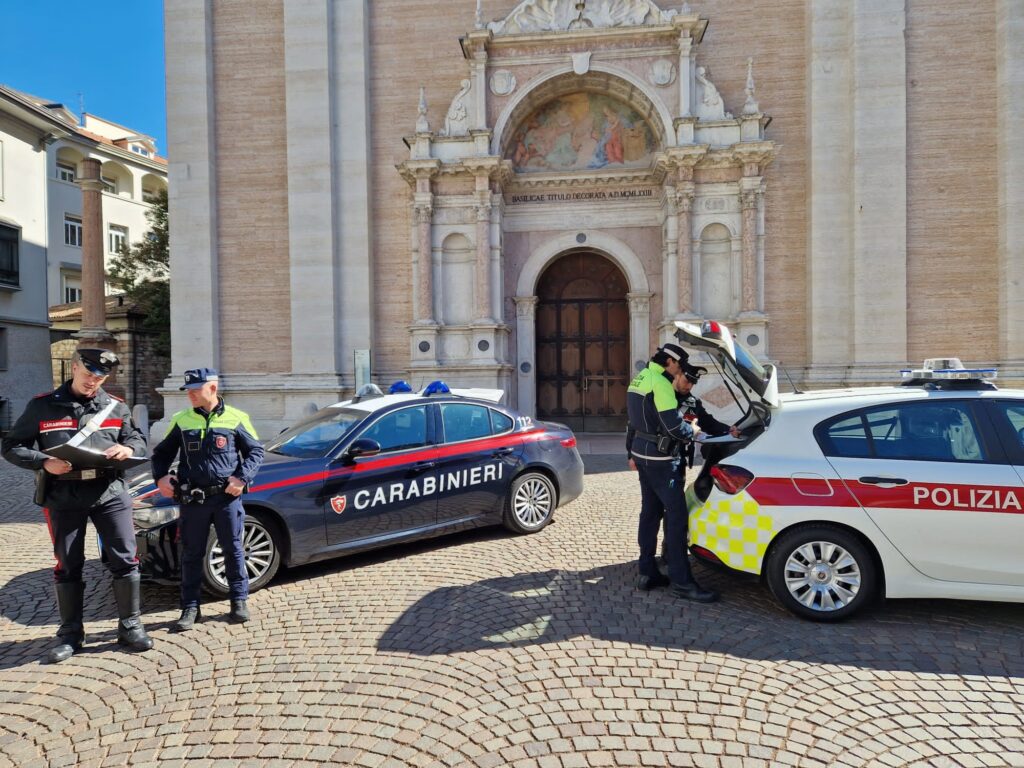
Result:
[[1014, 414], [464, 421], [400, 430], [500, 423], [937, 431]]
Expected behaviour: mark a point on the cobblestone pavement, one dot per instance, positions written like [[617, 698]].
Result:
[[487, 649]]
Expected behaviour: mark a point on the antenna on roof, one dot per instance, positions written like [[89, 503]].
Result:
[[81, 109], [796, 390]]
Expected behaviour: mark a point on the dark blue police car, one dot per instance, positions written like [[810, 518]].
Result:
[[378, 470]]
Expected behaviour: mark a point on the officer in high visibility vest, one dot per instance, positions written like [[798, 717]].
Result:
[[219, 455], [655, 434]]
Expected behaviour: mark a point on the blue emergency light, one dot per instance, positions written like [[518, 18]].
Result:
[[399, 387], [436, 388]]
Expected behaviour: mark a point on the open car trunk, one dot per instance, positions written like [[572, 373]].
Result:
[[754, 387]]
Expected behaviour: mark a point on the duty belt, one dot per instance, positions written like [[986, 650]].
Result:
[[87, 474], [647, 435]]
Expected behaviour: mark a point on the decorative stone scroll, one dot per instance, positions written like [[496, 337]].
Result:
[[710, 105], [456, 122], [561, 15]]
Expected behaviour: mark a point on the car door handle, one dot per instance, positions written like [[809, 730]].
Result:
[[891, 481], [419, 466], [502, 452]]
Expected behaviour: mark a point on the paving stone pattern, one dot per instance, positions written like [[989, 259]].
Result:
[[487, 649]]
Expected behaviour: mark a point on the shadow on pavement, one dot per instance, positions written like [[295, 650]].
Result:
[[931, 636]]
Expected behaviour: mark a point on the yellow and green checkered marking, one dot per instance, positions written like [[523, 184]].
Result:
[[735, 529]]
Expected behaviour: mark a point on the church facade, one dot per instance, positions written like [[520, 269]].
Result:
[[529, 194]]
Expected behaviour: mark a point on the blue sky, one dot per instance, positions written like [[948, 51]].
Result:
[[112, 53]]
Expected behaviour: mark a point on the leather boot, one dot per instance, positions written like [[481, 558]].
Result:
[[239, 612], [71, 634], [130, 632]]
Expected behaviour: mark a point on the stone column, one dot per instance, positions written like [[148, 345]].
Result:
[[482, 293], [94, 309], [423, 211], [748, 202], [685, 74], [526, 340], [685, 191]]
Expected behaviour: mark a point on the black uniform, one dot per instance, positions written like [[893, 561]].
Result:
[[692, 409], [654, 419], [70, 501]]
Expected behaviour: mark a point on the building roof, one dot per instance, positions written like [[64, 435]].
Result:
[[117, 306], [66, 119]]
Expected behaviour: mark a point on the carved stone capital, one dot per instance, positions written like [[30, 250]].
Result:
[[639, 303], [422, 212], [526, 307], [748, 198], [483, 211]]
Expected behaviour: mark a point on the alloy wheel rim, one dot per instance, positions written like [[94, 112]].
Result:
[[532, 502], [822, 576], [257, 549]]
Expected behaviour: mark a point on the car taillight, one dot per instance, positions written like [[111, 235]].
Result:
[[569, 442], [705, 554], [730, 479]]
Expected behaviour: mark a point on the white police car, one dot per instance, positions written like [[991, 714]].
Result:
[[838, 497], [378, 470]]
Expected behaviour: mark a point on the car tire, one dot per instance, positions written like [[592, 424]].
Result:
[[262, 543], [821, 572], [530, 504]]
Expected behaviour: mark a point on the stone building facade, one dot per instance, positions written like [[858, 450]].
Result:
[[527, 194]]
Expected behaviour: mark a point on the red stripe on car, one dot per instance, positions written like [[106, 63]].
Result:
[[782, 492]]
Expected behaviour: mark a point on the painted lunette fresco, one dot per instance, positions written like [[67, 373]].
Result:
[[582, 131]]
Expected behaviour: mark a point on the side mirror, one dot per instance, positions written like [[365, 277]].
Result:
[[364, 446]]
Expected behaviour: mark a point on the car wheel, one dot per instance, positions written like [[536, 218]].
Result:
[[530, 504], [261, 544], [821, 572]]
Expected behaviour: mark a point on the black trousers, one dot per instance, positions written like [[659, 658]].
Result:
[[661, 494], [113, 521], [228, 518]]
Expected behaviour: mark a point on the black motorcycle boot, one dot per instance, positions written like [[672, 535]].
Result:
[[187, 620], [239, 612], [130, 632], [71, 634]]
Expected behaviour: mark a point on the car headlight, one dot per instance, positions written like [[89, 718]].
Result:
[[154, 517]]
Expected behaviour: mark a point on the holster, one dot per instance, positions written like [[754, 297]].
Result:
[[42, 482]]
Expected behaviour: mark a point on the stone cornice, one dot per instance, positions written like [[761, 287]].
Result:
[[414, 170], [635, 177]]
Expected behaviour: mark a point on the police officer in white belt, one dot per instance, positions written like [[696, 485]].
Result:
[[80, 410], [654, 436]]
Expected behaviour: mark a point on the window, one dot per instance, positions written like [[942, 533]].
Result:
[[400, 430], [317, 435], [463, 421], [72, 230], [66, 172], [1014, 414], [3, 349], [109, 184], [936, 431], [140, 150], [9, 272], [117, 238], [150, 195], [72, 288], [500, 423]]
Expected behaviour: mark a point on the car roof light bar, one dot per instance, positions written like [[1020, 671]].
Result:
[[948, 369]]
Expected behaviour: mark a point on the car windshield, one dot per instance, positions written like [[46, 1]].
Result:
[[317, 435]]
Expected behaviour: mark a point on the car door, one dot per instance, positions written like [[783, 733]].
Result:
[[934, 479], [392, 493], [478, 458]]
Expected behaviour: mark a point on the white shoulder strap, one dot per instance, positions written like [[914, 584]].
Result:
[[93, 424]]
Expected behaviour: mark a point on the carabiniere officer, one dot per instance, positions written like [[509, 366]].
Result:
[[71, 496], [219, 455]]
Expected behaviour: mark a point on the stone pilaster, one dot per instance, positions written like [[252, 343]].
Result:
[[685, 191], [423, 213], [482, 267], [748, 205], [526, 363], [639, 326], [670, 254], [1010, 106]]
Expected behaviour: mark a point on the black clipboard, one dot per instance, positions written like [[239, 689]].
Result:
[[87, 458]]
